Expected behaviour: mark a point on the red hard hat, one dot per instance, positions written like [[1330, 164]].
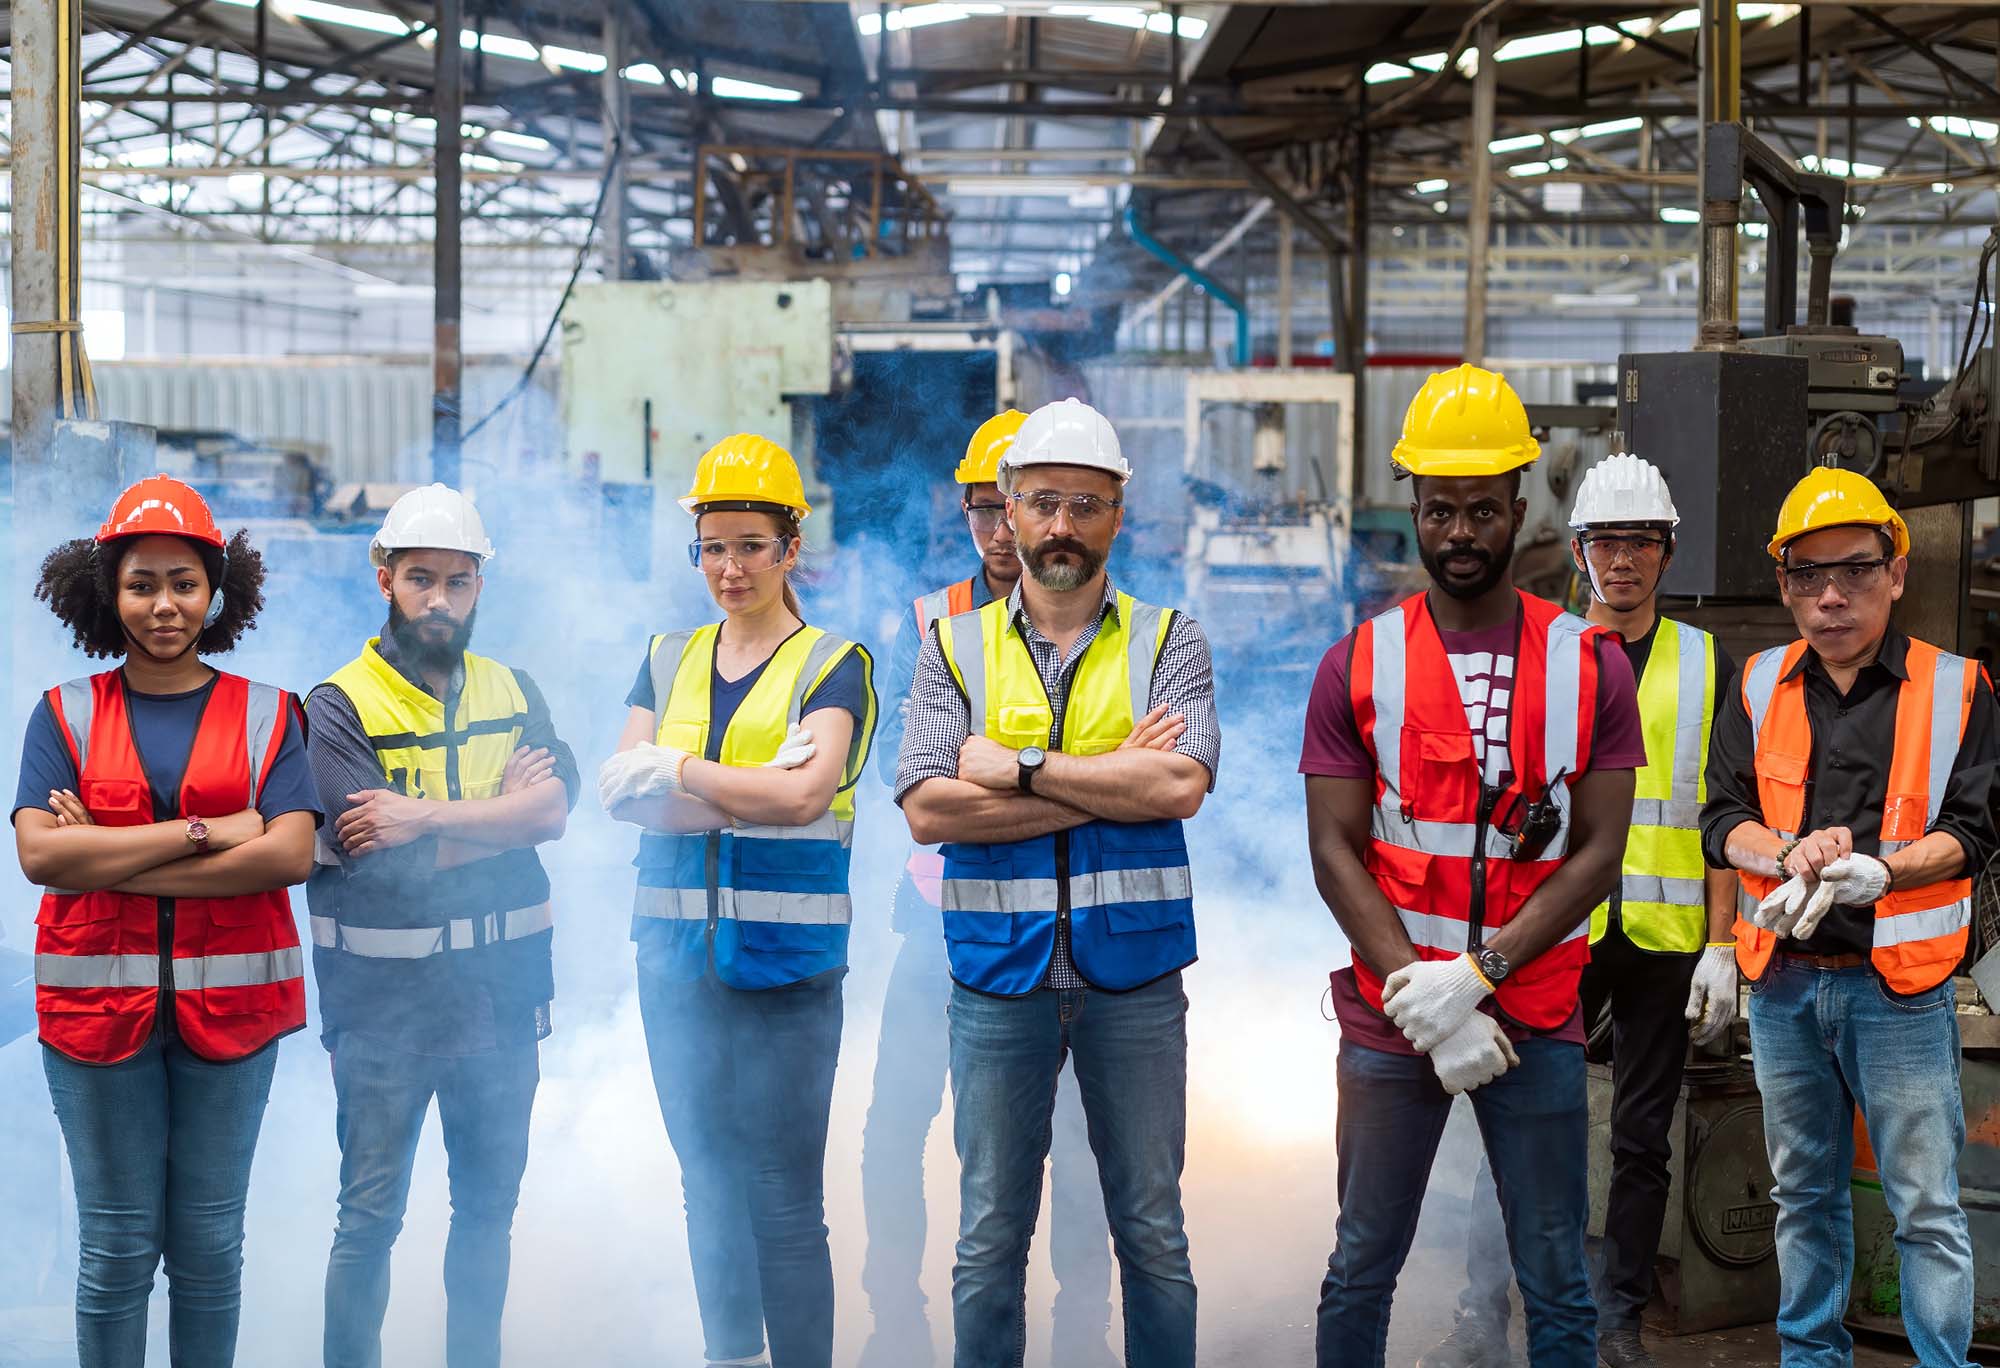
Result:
[[161, 505]]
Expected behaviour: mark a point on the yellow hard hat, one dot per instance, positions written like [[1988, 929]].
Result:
[[1836, 498], [982, 454], [1466, 421], [746, 468]]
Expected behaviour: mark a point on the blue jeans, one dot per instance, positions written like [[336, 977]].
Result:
[[745, 1082], [160, 1146], [382, 1095], [1129, 1052], [1535, 1122], [1824, 1040], [910, 1069]]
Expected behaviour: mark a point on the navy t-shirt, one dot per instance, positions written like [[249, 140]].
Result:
[[163, 729], [845, 687]]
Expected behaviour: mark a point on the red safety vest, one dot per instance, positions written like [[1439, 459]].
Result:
[[926, 866], [235, 966], [1426, 850], [1919, 933]]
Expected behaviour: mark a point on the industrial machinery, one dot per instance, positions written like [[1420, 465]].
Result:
[[1268, 458]]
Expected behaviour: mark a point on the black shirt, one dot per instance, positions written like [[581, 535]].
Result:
[[1848, 776]]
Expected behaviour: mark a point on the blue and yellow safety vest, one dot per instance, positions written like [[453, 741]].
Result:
[[769, 904], [1123, 887]]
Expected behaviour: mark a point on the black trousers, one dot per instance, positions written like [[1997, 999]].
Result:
[[1640, 996]]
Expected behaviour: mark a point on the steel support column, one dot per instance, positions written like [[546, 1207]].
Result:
[[1479, 224], [46, 227], [616, 109], [1354, 346], [448, 357], [1284, 291], [1721, 102]]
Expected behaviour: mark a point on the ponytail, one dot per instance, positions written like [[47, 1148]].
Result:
[[788, 523]]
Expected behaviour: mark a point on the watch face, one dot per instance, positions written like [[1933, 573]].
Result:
[[1033, 755], [1493, 964]]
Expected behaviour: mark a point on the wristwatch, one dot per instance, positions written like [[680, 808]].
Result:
[[1032, 760], [197, 834], [1492, 963]]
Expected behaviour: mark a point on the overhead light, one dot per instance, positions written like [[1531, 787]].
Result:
[[921, 16], [1597, 130], [1386, 71], [499, 45], [1063, 283], [730, 88], [1675, 214], [1754, 229], [1440, 206], [1691, 19], [1838, 166], [1941, 187], [320, 12], [573, 58], [1544, 44], [1128, 17], [513, 139], [1595, 301], [1431, 187], [1520, 143], [645, 73], [1965, 128], [1539, 168], [1017, 187]]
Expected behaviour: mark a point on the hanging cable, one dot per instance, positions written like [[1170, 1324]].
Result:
[[548, 333]]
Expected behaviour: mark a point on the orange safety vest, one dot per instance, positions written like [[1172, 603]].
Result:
[[925, 865], [1920, 933], [235, 969], [1432, 849]]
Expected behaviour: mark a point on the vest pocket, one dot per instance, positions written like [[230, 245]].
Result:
[[1440, 775], [80, 910], [115, 797], [1401, 874]]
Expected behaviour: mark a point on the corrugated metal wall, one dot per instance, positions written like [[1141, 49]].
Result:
[[362, 419]]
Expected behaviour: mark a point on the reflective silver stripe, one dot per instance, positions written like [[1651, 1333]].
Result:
[[1434, 932], [1667, 812], [1386, 691], [826, 827], [1452, 839], [1946, 691], [97, 971], [751, 905], [1760, 686], [933, 606], [1141, 651], [421, 942], [671, 904], [1166, 883], [1888, 848], [239, 971], [1564, 689], [1692, 689], [260, 720], [79, 707], [968, 654], [1925, 924], [818, 656], [1651, 888], [666, 664]]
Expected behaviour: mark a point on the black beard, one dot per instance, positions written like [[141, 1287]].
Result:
[[1065, 578], [421, 653], [1496, 569]]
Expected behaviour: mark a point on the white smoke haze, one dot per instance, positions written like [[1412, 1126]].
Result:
[[600, 1261]]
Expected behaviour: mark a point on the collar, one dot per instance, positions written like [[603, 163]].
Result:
[[982, 593], [1893, 657], [391, 652], [1017, 608]]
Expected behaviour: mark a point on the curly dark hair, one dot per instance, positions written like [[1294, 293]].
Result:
[[79, 582]]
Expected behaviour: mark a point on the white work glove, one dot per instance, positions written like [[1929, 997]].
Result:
[[1857, 880], [643, 770], [1711, 1005], [797, 748], [1430, 999], [1473, 1055], [1783, 906]]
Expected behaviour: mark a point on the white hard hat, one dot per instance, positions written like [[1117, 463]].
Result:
[[1621, 488], [1068, 432], [434, 518]]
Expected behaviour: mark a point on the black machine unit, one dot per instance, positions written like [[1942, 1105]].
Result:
[[1725, 429]]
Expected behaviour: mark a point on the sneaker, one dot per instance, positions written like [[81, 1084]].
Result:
[[1474, 1342], [1623, 1349]]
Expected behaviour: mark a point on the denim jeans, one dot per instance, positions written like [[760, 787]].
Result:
[[1824, 1040], [1129, 1052], [1645, 995], [382, 1095], [160, 1147], [745, 1082], [1535, 1122], [910, 1067]]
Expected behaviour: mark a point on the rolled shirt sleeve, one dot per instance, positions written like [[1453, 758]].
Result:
[[1732, 778], [936, 721], [1184, 681]]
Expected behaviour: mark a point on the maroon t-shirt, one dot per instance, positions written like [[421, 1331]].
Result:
[[1484, 664]]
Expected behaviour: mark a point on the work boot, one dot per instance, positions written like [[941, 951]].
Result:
[[1623, 1349], [1474, 1342]]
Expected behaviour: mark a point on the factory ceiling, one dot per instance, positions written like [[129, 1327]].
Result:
[[1039, 125]]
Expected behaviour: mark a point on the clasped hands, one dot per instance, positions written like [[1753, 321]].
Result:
[[1825, 869], [987, 763], [647, 769]]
